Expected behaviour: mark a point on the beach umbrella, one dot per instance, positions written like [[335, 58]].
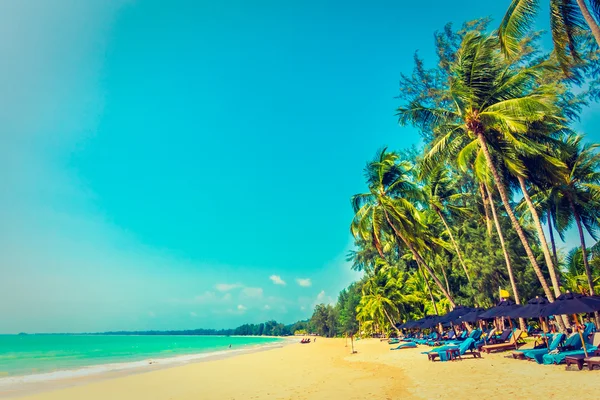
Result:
[[573, 303], [533, 309], [429, 322], [500, 310], [472, 316], [454, 315], [408, 324]]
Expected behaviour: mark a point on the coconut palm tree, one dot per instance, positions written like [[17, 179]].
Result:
[[574, 274], [495, 104], [567, 19], [578, 190], [440, 195], [388, 207]]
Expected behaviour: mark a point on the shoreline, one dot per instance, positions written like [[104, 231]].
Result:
[[24, 385]]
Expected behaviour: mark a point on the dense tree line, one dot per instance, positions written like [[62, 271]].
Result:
[[269, 328]]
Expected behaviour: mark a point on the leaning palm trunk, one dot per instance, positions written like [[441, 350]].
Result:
[[430, 295], [551, 230], [446, 279], [589, 20], [542, 237], [420, 260], [458, 253], [485, 200], [391, 320], [509, 269], [513, 218]]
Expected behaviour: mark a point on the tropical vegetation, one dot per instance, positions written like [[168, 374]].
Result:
[[502, 174]]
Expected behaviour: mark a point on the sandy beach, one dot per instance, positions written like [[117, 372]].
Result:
[[327, 370]]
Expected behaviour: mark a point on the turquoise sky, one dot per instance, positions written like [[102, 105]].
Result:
[[180, 164]]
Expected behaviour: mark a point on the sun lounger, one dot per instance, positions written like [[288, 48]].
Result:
[[538, 354], [513, 343], [452, 352], [559, 357], [426, 339], [406, 345], [502, 338]]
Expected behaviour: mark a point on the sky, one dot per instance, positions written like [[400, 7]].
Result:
[[184, 164]]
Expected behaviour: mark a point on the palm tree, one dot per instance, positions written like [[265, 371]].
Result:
[[495, 103], [388, 208], [418, 286], [579, 191], [383, 295], [574, 275], [440, 194], [566, 20]]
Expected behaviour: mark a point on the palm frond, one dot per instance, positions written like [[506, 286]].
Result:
[[516, 23]]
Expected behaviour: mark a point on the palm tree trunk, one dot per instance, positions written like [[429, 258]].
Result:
[[588, 272], [513, 218], [589, 20], [551, 230], [446, 279], [511, 276], [484, 199], [542, 237], [391, 320], [430, 295], [458, 253], [420, 260]]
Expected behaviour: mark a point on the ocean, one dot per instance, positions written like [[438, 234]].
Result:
[[56, 356]]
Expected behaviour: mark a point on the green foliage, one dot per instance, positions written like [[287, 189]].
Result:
[[425, 236], [325, 320]]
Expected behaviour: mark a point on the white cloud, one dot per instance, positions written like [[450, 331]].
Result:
[[151, 314], [193, 314], [267, 307], [302, 308], [321, 296], [227, 297], [303, 282], [277, 280], [226, 287], [205, 297], [241, 308], [252, 292]]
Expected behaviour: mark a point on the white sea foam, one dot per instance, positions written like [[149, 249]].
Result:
[[82, 372]]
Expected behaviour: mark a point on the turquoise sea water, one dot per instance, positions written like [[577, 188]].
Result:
[[35, 354]]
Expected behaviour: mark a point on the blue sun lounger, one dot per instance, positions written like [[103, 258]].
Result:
[[405, 345], [538, 354], [574, 342], [445, 353]]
